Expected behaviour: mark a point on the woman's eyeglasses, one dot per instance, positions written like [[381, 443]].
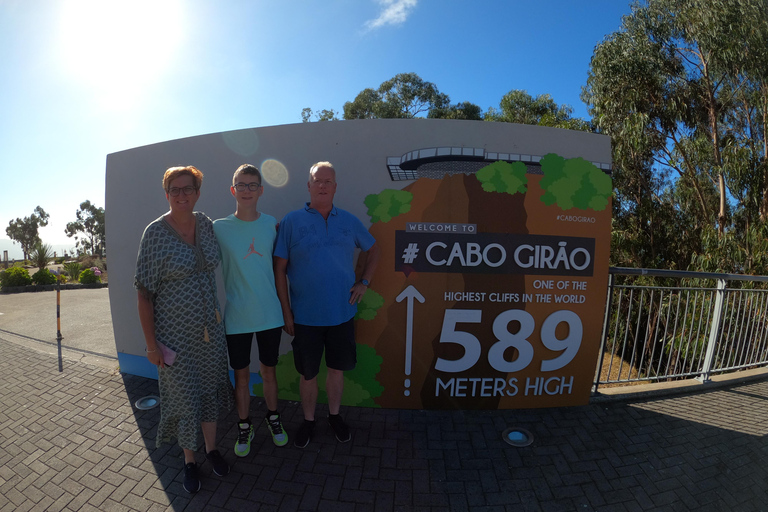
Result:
[[175, 191]]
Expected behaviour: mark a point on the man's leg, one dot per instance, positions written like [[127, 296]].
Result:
[[308, 390], [334, 386], [340, 355], [307, 353]]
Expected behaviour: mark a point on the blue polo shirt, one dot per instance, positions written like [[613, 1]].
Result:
[[321, 263]]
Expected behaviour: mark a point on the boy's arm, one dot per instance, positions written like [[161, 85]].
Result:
[[281, 285]]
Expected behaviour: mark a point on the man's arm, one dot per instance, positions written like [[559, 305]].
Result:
[[281, 285], [371, 260]]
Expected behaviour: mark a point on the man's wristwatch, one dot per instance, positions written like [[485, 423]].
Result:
[[365, 282]]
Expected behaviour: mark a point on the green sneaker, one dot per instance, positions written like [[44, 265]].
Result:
[[243, 444], [279, 437]]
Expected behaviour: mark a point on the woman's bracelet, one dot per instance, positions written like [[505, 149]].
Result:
[[149, 351]]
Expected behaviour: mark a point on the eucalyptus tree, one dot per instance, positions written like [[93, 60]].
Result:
[[406, 95], [517, 106], [321, 115], [464, 110], [683, 83], [89, 229], [25, 231]]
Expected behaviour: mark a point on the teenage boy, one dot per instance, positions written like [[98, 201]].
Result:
[[246, 240]]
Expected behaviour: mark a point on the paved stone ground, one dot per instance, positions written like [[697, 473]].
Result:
[[74, 441]]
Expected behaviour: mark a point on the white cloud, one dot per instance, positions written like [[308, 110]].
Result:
[[395, 12]]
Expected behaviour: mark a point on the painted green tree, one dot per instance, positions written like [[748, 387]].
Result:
[[388, 204], [367, 308], [503, 177], [574, 183], [360, 385]]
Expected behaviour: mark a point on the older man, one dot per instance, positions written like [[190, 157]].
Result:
[[315, 249]]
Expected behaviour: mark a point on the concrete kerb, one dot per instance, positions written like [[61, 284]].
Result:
[[688, 386], [50, 287]]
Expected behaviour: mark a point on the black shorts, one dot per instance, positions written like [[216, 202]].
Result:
[[338, 341], [239, 347]]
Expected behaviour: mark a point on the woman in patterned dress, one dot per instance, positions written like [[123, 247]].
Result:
[[179, 309]]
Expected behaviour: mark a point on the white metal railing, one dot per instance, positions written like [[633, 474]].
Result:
[[664, 325]]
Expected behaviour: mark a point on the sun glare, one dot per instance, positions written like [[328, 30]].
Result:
[[117, 49]]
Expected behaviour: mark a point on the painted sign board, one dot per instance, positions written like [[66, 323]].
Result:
[[495, 242]]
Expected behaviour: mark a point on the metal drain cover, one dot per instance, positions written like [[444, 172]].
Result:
[[517, 436], [147, 402]]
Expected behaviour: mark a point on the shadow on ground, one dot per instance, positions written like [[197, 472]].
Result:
[[704, 452]]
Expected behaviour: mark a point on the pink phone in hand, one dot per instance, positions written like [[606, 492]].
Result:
[[169, 355]]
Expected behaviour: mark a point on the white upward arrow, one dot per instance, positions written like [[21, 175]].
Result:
[[409, 293]]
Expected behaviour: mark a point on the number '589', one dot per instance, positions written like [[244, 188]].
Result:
[[519, 340]]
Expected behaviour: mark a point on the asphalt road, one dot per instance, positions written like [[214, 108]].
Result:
[[29, 319]]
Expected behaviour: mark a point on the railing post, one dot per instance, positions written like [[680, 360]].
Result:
[[58, 321], [606, 323], [714, 331]]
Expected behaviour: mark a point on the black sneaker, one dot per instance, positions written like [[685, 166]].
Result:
[[304, 434], [220, 466], [339, 428], [191, 480]]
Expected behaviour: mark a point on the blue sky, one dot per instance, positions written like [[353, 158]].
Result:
[[80, 79]]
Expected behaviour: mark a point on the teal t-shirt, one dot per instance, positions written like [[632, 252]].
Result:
[[246, 262]]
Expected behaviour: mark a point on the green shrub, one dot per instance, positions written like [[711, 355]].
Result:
[[89, 261], [88, 276], [15, 276], [59, 260], [72, 269], [41, 255], [44, 276]]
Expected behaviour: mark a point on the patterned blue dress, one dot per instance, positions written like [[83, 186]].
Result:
[[180, 279]]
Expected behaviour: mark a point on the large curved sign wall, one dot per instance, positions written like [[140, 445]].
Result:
[[495, 238]]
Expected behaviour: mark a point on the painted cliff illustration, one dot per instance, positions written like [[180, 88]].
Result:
[[472, 254]]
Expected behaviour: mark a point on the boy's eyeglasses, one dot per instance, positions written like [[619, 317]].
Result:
[[253, 187]]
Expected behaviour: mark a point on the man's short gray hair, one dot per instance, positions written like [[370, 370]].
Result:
[[320, 165]]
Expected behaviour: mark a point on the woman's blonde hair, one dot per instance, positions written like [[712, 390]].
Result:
[[174, 172]]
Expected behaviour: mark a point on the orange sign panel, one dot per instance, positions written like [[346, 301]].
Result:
[[490, 289]]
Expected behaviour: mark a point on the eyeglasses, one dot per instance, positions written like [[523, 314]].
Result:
[[175, 191], [253, 187]]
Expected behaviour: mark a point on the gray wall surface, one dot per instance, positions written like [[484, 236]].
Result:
[[358, 149]]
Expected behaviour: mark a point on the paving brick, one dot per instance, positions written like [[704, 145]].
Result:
[[700, 451]]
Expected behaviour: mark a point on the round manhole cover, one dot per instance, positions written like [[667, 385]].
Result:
[[147, 402], [517, 436]]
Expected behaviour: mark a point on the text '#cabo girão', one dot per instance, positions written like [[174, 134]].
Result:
[[493, 253]]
